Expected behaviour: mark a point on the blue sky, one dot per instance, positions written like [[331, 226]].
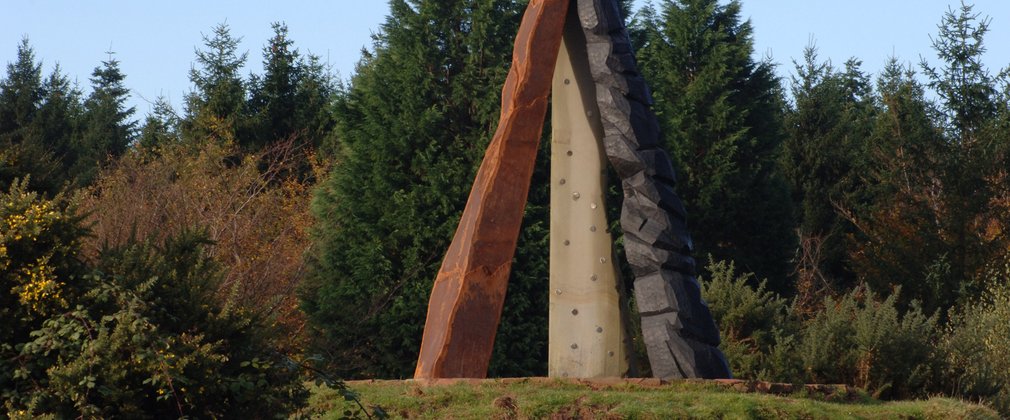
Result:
[[155, 40]]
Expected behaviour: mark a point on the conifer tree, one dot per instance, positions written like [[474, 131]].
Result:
[[940, 211], [23, 151], [721, 115], [413, 126], [292, 97], [107, 129], [215, 110], [161, 126], [828, 129]]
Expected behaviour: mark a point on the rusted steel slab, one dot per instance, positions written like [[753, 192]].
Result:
[[469, 291]]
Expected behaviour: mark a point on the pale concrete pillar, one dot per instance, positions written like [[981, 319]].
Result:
[[586, 332]]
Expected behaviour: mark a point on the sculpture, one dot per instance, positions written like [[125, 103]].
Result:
[[466, 301]]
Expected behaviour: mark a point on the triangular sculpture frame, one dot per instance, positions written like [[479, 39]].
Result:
[[601, 106]]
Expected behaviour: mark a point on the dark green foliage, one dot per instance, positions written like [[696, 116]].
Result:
[[47, 132], [862, 340], [756, 326], [827, 131], [292, 97], [976, 344], [24, 148], [214, 110], [413, 127], [721, 115], [938, 210], [160, 128], [106, 127]]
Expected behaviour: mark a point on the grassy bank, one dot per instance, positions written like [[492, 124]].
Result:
[[538, 398]]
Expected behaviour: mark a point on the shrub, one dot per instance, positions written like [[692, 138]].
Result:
[[861, 340], [39, 268], [977, 343], [148, 341], [757, 331], [254, 209], [138, 332]]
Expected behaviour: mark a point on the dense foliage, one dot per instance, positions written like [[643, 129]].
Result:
[[413, 127], [136, 332], [721, 115]]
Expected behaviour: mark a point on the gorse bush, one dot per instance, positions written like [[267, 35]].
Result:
[[137, 333], [756, 327], [859, 338], [862, 340], [977, 345]]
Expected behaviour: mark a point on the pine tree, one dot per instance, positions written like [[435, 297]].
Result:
[[292, 97], [160, 128], [828, 129], [413, 126], [940, 206], [58, 120], [721, 115], [107, 130], [273, 98], [23, 152], [215, 110]]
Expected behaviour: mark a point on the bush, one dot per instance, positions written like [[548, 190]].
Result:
[[139, 333], [757, 330], [39, 268], [977, 344], [254, 208], [861, 340]]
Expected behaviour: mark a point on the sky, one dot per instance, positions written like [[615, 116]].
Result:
[[155, 40]]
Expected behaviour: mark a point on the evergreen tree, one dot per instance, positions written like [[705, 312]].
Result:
[[292, 97], [58, 121], [23, 152], [827, 131], [413, 127], [161, 126], [107, 129], [215, 110], [273, 98], [940, 209], [721, 115], [896, 243]]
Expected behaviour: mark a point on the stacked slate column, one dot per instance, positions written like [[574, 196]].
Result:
[[680, 335]]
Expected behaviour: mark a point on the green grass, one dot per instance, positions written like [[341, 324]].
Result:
[[536, 399]]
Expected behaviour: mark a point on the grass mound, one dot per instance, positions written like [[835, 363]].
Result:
[[536, 398]]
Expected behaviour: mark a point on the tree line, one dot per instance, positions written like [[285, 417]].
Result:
[[859, 206]]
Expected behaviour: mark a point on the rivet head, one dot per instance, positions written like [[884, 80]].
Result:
[[569, 153], [603, 260], [574, 346], [610, 353], [593, 277], [563, 181], [568, 82], [567, 242], [558, 291], [576, 196], [592, 228], [575, 311], [599, 329], [593, 206]]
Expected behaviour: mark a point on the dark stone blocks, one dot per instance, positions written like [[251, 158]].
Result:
[[677, 326]]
